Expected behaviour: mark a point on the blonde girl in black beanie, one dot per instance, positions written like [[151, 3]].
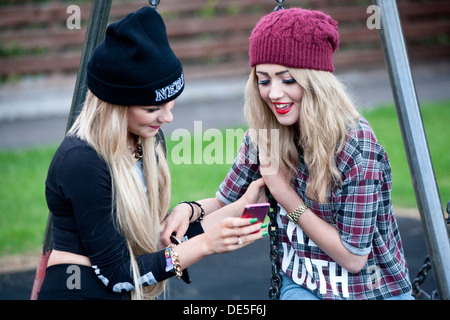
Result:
[[108, 186]]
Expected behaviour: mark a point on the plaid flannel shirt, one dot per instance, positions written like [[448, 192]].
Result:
[[361, 210]]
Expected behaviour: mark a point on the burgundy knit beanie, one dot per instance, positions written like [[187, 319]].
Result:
[[295, 38]]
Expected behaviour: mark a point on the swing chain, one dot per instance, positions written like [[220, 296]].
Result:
[[448, 211], [418, 293], [279, 5], [275, 281]]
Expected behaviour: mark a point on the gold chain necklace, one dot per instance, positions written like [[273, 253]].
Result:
[[137, 153]]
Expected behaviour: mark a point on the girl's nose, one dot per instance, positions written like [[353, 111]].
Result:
[[275, 92], [166, 112]]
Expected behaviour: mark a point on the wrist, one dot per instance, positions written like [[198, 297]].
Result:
[[199, 213], [191, 208], [294, 215], [289, 201], [196, 213], [239, 206], [204, 246]]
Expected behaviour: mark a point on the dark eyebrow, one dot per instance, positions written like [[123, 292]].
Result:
[[281, 72], [276, 73]]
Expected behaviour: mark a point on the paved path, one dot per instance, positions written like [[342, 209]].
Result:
[[240, 275]]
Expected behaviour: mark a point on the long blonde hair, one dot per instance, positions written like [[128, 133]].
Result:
[[137, 214], [327, 113]]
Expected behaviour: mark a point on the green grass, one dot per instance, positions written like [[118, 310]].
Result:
[[191, 181], [23, 210], [435, 117]]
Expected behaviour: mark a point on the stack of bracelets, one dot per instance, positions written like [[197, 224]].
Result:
[[192, 208], [172, 261]]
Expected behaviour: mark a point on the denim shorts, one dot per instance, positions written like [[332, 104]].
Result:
[[292, 291]]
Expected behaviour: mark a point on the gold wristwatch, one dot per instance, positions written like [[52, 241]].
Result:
[[293, 216]]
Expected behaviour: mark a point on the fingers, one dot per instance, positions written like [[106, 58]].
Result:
[[224, 236], [259, 182], [247, 239], [255, 192], [247, 230], [239, 222], [177, 222], [178, 228], [165, 236]]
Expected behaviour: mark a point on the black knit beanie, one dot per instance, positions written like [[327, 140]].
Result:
[[134, 64]]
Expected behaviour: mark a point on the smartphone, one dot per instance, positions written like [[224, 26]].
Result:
[[256, 210]]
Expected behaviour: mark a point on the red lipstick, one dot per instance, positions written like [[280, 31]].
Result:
[[283, 108]]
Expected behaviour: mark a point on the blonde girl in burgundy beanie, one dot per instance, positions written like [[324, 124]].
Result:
[[338, 237], [337, 232]]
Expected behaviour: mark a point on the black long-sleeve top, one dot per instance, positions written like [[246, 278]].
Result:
[[79, 195]]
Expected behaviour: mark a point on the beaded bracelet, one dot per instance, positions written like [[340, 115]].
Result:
[[202, 212]]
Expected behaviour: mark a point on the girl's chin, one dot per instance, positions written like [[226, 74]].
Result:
[[286, 121], [152, 134], [148, 133]]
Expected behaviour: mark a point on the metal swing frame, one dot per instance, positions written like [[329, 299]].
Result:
[[409, 116], [95, 32], [416, 146]]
